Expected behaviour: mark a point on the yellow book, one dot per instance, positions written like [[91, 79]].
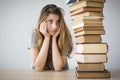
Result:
[[92, 48], [90, 32], [86, 14], [91, 28], [89, 39], [90, 67], [91, 58], [92, 74]]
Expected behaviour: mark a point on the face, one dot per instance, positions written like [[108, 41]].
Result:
[[53, 23]]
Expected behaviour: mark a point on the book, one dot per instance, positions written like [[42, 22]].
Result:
[[92, 0], [89, 39], [81, 4], [92, 74], [90, 28], [85, 9], [87, 21], [70, 1], [88, 17], [73, 1], [82, 24], [91, 58], [92, 48], [90, 32], [90, 67], [86, 14]]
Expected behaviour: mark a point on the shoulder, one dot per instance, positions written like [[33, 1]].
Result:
[[65, 54], [32, 39], [32, 33]]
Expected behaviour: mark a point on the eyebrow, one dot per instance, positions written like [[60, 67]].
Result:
[[52, 20]]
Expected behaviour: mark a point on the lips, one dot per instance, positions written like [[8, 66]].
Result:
[[52, 30]]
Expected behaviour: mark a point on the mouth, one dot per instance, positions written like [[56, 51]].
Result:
[[52, 30]]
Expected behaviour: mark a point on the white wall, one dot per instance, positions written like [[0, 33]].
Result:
[[18, 17]]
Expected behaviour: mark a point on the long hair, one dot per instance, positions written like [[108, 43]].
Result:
[[64, 40]]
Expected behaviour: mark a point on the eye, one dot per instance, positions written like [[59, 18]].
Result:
[[58, 22], [50, 22]]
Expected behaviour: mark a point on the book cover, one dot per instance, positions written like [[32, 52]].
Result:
[[92, 0], [86, 24], [87, 21], [90, 67], [81, 4], [88, 17], [92, 48], [90, 32], [91, 58], [92, 74], [85, 9], [86, 14], [70, 1], [88, 28], [89, 39]]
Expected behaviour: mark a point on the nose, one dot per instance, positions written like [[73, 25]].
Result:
[[54, 26]]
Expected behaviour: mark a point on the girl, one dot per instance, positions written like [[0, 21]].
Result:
[[51, 41]]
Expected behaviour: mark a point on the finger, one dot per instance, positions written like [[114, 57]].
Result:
[[59, 30], [41, 27], [45, 26]]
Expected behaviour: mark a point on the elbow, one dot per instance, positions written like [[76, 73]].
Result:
[[38, 68], [57, 69]]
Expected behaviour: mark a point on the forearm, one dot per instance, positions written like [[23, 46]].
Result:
[[42, 56], [57, 58]]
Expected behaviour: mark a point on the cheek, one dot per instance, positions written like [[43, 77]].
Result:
[[48, 28], [53, 28], [57, 27]]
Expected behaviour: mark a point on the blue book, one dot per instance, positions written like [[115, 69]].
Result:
[[70, 1]]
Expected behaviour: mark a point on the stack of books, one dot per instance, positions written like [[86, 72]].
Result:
[[91, 53]]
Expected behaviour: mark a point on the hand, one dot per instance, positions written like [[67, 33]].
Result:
[[57, 33], [43, 29]]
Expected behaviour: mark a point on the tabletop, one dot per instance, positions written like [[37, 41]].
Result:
[[30, 74]]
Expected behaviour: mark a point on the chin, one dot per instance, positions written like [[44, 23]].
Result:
[[51, 34]]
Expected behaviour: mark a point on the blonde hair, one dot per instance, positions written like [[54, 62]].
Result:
[[64, 40]]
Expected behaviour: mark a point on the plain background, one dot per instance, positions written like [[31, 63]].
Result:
[[18, 17]]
